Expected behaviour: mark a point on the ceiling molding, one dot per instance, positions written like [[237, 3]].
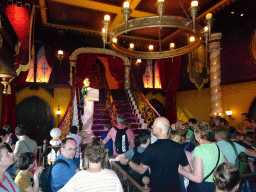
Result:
[[43, 11]]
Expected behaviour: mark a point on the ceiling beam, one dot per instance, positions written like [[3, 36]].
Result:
[[43, 11], [119, 18], [101, 7], [216, 8]]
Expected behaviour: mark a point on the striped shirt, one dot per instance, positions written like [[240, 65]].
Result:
[[104, 181]]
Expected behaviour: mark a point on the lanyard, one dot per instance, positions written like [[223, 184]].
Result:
[[1, 184]]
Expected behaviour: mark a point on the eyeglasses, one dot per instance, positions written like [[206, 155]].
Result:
[[71, 149]]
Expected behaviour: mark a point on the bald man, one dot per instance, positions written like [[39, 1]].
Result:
[[163, 157]]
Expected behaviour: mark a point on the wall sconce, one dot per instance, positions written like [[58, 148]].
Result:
[[58, 112], [60, 56], [229, 114]]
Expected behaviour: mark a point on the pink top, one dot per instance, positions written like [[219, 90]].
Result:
[[112, 135]]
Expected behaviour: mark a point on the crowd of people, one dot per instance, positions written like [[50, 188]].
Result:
[[181, 157]]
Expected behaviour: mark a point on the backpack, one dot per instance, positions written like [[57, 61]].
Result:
[[121, 143], [137, 158], [241, 160], [45, 177]]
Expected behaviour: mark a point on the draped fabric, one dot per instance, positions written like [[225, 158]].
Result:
[[9, 102], [138, 70], [20, 20], [170, 79], [85, 63], [48, 55], [116, 67]]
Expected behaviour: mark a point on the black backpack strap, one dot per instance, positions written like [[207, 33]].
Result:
[[215, 165], [135, 150], [60, 161], [234, 147]]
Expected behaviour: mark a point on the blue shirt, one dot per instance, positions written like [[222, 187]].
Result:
[[228, 150], [109, 144], [61, 173], [130, 153]]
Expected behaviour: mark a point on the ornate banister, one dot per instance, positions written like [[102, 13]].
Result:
[[146, 109], [128, 183]]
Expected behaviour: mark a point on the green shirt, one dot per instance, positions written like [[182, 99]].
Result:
[[209, 155]]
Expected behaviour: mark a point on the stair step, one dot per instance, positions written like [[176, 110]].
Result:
[[101, 121]]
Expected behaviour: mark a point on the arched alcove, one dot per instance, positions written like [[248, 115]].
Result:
[[37, 116], [158, 106]]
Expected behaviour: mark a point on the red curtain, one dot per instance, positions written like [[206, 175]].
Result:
[[48, 55], [116, 67], [138, 70], [9, 102], [20, 20], [170, 79], [85, 63]]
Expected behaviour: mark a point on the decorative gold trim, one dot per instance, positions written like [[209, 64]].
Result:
[[73, 59]]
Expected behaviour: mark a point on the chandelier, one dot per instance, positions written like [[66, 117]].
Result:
[[198, 34]]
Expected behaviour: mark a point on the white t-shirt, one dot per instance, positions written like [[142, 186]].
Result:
[[104, 181]]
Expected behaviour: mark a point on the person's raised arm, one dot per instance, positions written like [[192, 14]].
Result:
[[250, 152], [141, 168], [106, 139]]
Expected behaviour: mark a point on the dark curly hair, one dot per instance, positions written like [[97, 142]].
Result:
[[21, 130], [23, 160], [95, 152]]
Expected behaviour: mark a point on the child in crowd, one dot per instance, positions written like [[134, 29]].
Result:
[[104, 134], [25, 179]]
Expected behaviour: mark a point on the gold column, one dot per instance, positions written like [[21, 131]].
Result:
[[127, 69], [215, 78]]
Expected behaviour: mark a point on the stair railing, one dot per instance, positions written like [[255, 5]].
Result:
[[146, 109], [110, 106]]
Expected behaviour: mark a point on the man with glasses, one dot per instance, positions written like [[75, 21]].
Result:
[[62, 172]]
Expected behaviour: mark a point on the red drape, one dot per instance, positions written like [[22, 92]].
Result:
[[138, 70], [85, 63], [20, 20], [48, 55], [116, 67], [170, 79]]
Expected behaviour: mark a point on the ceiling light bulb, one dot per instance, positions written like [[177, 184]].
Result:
[[194, 3], [228, 112], [208, 16], [206, 28], [138, 60], [232, 12], [126, 4], [103, 30], [115, 40], [192, 39], [151, 47], [60, 52], [242, 15], [172, 45], [131, 45], [160, 0], [106, 18]]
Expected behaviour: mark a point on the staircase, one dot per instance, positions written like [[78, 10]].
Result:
[[124, 107], [101, 117]]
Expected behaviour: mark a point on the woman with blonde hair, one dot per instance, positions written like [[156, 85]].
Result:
[[206, 157]]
